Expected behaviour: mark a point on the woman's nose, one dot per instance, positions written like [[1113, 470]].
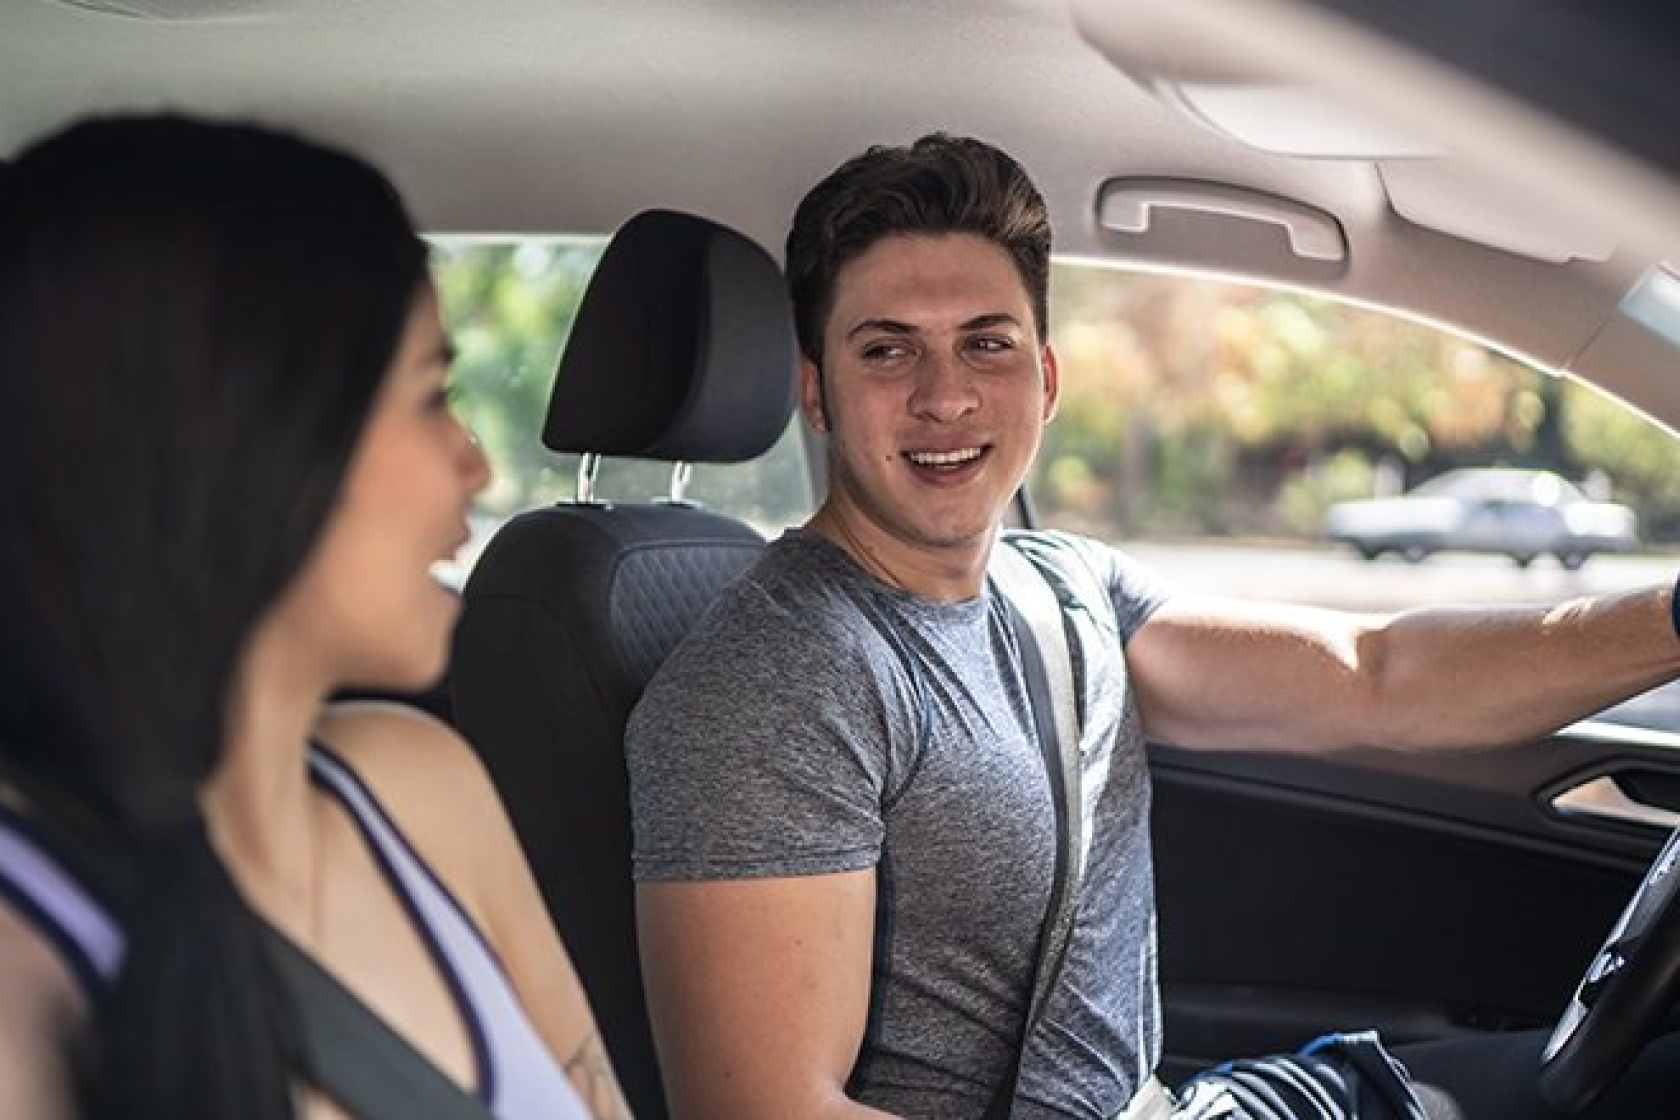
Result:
[[475, 464]]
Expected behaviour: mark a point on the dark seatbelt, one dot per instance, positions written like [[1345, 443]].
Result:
[[344, 1049], [352, 1056]]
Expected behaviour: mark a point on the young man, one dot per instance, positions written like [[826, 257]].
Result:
[[845, 839]]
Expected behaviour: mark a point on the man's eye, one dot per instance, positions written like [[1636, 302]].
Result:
[[991, 344], [882, 351]]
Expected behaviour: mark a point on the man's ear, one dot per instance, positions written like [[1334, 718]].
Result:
[[1052, 381], [811, 395]]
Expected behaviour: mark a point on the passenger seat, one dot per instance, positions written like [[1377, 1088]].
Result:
[[683, 350]]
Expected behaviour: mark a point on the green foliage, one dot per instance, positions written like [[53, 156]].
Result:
[[509, 309], [1622, 444], [1303, 497], [1187, 406], [1195, 462]]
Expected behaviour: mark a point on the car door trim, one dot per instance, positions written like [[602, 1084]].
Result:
[[1603, 798]]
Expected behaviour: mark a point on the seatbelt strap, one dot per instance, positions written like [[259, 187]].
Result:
[[1153, 1102], [345, 1050], [351, 1055], [1035, 614]]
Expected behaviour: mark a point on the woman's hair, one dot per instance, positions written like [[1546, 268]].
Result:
[[194, 320]]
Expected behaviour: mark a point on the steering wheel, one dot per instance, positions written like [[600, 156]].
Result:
[[1627, 988]]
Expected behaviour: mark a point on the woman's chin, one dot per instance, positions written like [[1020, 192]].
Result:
[[415, 667]]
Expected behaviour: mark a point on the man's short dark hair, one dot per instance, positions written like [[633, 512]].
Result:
[[939, 184]]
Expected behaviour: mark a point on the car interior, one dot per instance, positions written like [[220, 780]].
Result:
[[572, 607], [1505, 172]]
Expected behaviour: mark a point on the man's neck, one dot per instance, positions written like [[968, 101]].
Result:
[[946, 576]]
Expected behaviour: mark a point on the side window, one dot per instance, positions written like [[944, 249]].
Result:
[[1266, 444], [509, 307]]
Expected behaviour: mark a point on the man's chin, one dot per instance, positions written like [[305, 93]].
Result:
[[957, 538]]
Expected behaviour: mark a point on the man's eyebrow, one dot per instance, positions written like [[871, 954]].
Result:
[[887, 326], [994, 319], [893, 326]]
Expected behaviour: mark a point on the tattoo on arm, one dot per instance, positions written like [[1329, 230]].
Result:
[[592, 1076]]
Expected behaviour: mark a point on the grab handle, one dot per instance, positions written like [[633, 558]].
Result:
[[1127, 206]]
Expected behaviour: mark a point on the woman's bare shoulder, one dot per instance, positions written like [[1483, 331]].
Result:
[[431, 783], [397, 746], [42, 1006], [439, 793]]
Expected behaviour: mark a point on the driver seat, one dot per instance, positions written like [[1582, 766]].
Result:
[[682, 350]]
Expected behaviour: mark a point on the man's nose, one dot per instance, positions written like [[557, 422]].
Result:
[[944, 389]]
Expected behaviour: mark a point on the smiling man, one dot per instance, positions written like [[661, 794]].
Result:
[[845, 835], [942, 393]]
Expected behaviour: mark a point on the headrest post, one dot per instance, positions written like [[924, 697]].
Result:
[[681, 473], [589, 467]]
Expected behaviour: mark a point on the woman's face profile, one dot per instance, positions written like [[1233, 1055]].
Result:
[[365, 600]]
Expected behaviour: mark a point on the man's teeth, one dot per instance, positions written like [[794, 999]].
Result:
[[944, 458]]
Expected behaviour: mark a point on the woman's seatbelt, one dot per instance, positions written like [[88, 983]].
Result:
[[352, 1056]]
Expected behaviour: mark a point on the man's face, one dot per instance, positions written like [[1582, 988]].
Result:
[[937, 388]]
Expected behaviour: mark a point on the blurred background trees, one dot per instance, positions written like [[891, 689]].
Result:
[[1187, 407], [509, 308], [1175, 391]]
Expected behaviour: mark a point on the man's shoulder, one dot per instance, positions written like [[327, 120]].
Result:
[[1094, 573], [793, 616], [1068, 558], [1052, 543], [794, 593]]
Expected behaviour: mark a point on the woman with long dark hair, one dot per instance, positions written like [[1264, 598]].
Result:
[[230, 464]]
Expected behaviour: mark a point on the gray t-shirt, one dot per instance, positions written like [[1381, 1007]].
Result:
[[820, 721]]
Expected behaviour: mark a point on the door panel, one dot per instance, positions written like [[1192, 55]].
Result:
[[1426, 896]]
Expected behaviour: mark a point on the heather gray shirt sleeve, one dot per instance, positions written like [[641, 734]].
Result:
[[766, 745], [1136, 591]]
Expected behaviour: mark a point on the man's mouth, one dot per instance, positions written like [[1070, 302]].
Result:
[[945, 459]]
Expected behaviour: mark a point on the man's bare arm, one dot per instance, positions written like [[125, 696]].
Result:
[[759, 992], [1224, 674]]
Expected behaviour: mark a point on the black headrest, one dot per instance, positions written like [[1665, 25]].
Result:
[[682, 350]]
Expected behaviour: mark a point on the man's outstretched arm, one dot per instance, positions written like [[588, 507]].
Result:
[[758, 991], [1220, 673]]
